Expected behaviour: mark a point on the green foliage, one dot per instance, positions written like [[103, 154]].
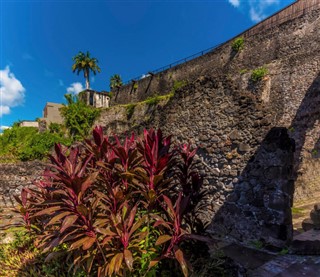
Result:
[[284, 251], [295, 210], [152, 100], [83, 62], [258, 74], [118, 208], [26, 143], [291, 129], [178, 84], [56, 128], [257, 244], [238, 44], [130, 109], [135, 86], [78, 117], [21, 258], [115, 81]]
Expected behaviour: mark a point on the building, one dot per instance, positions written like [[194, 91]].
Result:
[[29, 123], [51, 113], [95, 99]]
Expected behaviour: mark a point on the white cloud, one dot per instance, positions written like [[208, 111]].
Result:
[[256, 9], [235, 3], [11, 91], [75, 88], [61, 84], [4, 127], [255, 15]]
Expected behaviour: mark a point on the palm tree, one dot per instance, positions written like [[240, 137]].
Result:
[[115, 81], [83, 62]]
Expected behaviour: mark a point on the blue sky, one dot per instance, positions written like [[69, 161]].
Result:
[[40, 37]]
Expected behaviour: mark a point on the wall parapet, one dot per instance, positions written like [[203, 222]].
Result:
[[161, 80]]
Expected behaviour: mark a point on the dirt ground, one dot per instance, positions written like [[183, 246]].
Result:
[[301, 210]]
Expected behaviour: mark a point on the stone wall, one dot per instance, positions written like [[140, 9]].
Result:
[[256, 140], [13, 177], [219, 58]]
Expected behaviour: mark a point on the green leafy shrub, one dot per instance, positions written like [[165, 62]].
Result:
[[258, 74], [26, 143], [120, 208], [78, 117], [56, 128], [238, 44]]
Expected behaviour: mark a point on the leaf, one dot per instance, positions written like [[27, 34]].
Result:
[[47, 211], [180, 258], [115, 263], [57, 218], [136, 225], [24, 195], [118, 262], [132, 215], [78, 243], [162, 239], [154, 262], [54, 255], [82, 210], [88, 243], [89, 181], [67, 222], [128, 258]]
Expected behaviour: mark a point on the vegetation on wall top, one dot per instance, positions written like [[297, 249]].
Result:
[[238, 44]]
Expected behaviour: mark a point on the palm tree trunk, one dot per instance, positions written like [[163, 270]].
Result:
[[86, 76]]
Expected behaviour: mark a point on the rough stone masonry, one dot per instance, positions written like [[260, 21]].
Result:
[[258, 141]]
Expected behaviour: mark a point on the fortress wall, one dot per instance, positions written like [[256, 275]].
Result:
[[256, 140]]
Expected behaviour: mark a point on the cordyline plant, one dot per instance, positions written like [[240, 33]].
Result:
[[118, 208]]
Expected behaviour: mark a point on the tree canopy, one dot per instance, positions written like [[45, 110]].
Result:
[[115, 81], [83, 62]]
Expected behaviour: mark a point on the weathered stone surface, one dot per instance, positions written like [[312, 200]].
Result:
[[13, 177], [307, 243]]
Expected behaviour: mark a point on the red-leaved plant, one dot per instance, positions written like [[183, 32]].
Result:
[[118, 208]]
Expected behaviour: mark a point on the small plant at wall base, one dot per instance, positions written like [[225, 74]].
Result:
[[258, 74], [121, 209], [238, 44]]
